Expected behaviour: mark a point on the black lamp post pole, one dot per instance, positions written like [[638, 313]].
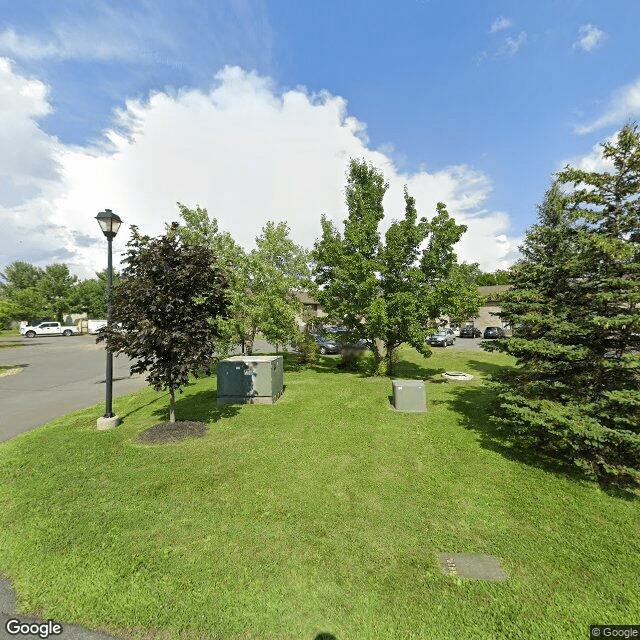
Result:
[[109, 223], [109, 376]]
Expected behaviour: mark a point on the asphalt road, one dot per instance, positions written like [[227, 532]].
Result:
[[59, 375]]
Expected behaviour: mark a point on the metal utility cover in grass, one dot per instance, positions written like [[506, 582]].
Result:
[[472, 566], [409, 395]]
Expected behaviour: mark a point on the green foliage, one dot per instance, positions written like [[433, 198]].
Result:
[[29, 304], [8, 311], [21, 298], [575, 310], [500, 276], [57, 288], [19, 275], [306, 347], [390, 291], [262, 283], [90, 296], [168, 304]]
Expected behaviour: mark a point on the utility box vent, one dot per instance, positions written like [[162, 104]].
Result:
[[250, 379], [409, 395]]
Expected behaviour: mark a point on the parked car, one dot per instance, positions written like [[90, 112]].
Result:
[[490, 333], [48, 329], [455, 330], [470, 332], [326, 344], [441, 339], [342, 336]]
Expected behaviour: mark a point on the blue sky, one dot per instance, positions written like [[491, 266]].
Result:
[[252, 109]]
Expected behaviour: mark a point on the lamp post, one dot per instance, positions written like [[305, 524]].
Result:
[[109, 223]]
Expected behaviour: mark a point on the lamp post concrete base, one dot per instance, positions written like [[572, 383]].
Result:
[[108, 423]]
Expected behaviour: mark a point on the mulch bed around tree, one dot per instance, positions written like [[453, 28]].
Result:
[[172, 432]]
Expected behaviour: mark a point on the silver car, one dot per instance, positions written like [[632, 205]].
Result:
[[441, 339]]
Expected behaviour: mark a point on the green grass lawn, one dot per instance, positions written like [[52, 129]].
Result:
[[322, 513]]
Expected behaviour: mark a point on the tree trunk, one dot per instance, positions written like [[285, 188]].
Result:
[[249, 344], [172, 405], [379, 354]]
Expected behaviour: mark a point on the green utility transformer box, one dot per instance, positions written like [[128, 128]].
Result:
[[409, 395], [250, 379]]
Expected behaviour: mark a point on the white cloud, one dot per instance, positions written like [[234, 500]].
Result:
[[106, 35], [511, 46], [27, 154], [592, 161], [245, 151], [500, 23], [506, 49], [623, 105], [590, 38]]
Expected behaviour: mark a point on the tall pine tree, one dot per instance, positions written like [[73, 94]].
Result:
[[575, 310]]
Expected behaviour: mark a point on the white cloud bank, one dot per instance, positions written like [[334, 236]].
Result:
[[245, 151]]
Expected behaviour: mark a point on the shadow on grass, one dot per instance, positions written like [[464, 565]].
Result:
[[199, 407], [481, 367], [412, 371], [476, 404], [404, 369]]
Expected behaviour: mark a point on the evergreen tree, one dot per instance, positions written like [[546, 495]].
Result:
[[575, 310]]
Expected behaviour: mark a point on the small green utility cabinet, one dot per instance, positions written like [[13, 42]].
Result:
[[409, 395], [250, 379]]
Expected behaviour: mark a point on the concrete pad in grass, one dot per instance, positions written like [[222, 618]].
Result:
[[471, 565]]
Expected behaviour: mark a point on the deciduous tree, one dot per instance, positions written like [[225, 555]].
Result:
[[393, 292], [262, 283], [166, 309], [90, 296], [57, 288]]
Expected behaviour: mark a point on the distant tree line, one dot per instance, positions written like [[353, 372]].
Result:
[[28, 292], [501, 276]]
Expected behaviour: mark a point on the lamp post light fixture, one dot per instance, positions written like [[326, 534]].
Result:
[[109, 223]]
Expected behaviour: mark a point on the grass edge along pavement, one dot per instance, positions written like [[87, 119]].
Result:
[[324, 512]]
